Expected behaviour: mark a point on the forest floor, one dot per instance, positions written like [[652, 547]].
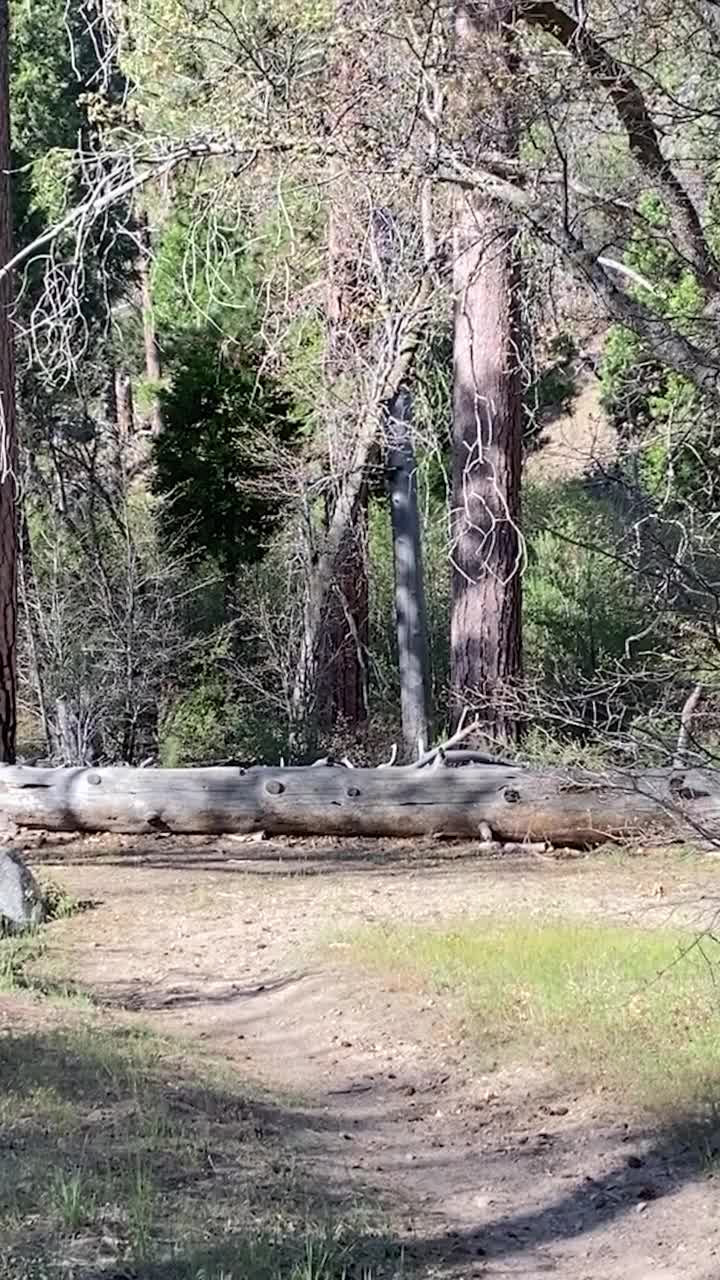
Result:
[[334, 1083]]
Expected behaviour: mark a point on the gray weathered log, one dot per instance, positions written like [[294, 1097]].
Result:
[[501, 802]]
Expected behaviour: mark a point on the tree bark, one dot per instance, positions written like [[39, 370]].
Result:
[[28, 598], [124, 404], [153, 363], [498, 801], [393, 368], [346, 636], [485, 627], [346, 625], [410, 611], [8, 437]]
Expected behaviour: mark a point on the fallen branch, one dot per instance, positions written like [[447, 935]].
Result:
[[687, 716]]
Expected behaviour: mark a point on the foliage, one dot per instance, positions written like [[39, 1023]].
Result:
[[666, 424], [242, 252], [223, 420], [58, 902], [216, 720], [107, 617], [47, 112], [203, 280], [581, 602], [555, 384], [197, 727]]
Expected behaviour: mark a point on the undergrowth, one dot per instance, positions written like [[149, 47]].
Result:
[[635, 1012]]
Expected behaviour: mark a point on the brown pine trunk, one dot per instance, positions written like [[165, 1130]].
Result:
[[8, 439], [346, 630], [485, 629], [346, 625]]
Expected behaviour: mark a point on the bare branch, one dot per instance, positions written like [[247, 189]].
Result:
[[574, 35]]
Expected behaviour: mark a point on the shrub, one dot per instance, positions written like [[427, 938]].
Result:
[[582, 603]]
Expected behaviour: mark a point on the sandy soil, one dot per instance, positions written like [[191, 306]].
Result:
[[483, 1172]]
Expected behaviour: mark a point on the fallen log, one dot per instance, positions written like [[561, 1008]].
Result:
[[483, 801]]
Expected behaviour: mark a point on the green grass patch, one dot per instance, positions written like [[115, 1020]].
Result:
[[19, 954], [634, 1011], [59, 903], [122, 1155]]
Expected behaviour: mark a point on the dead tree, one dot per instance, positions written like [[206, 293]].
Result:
[[8, 437], [410, 613], [482, 801]]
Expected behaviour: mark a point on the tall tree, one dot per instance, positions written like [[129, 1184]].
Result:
[[346, 629], [153, 364], [8, 439], [485, 628], [410, 611]]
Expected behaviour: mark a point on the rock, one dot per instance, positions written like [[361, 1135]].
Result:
[[21, 900]]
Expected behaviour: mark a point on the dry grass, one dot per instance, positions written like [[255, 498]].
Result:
[[606, 1007]]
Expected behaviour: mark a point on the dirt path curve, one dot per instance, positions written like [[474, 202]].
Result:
[[484, 1173]]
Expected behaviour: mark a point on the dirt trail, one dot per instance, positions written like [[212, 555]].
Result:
[[484, 1173]]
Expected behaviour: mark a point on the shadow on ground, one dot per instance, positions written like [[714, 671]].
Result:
[[137, 996], [522, 1243], [121, 1157], [296, 858]]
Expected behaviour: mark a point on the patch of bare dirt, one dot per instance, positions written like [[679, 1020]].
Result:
[[486, 1172], [575, 442]]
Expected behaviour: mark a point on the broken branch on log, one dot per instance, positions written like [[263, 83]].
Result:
[[463, 731], [445, 753]]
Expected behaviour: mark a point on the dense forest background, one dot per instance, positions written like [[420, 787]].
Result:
[[367, 370]]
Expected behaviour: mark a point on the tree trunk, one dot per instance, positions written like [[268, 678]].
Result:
[[124, 404], [486, 801], [345, 640], [393, 368], [28, 598], [410, 613], [485, 629], [346, 635], [8, 439], [153, 364]]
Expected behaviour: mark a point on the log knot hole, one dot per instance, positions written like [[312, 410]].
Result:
[[274, 788], [684, 790], [94, 779], [691, 793], [510, 795], [353, 792]]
